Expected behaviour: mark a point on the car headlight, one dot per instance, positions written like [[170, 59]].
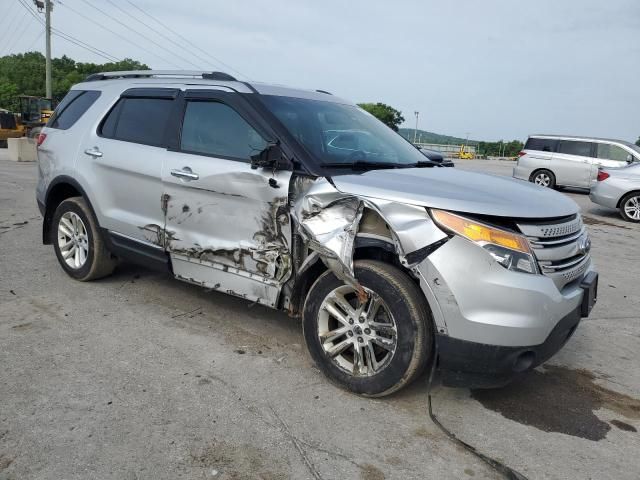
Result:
[[509, 249]]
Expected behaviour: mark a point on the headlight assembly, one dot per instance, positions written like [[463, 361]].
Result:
[[509, 249]]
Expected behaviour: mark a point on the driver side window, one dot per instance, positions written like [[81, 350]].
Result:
[[213, 128]]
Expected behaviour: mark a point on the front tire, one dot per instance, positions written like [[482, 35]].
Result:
[[375, 348], [544, 178], [77, 241], [630, 207]]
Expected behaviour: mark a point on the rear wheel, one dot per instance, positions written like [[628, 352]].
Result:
[[77, 241], [630, 207], [544, 178], [375, 347]]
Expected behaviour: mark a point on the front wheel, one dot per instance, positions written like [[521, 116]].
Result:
[[630, 207], [375, 347]]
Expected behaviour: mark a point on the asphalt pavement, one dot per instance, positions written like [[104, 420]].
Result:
[[139, 376]]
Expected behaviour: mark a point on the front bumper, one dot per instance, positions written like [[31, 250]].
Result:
[[477, 365], [491, 323]]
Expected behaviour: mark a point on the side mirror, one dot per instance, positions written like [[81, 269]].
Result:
[[270, 157], [629, 158]]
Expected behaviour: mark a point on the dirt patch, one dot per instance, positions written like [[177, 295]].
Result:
[[235, 462], [597, 221], [370, 472], [5, 462], [623, 426], [561, 400]]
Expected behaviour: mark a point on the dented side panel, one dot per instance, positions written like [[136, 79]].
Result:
[[231, 216]]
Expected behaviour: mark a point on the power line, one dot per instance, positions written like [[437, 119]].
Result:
[[6, 30], [162, 34], [21, 26], [11, 40], [193, 45], [69, 38], [35, 40], [181, 57], [113, 32]]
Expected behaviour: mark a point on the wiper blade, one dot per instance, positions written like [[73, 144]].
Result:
[[365, 165]]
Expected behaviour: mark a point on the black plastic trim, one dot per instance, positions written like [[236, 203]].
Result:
[[166, 93], [137, 252], [478, 365]]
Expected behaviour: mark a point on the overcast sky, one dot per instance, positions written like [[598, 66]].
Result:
[[498, 69]]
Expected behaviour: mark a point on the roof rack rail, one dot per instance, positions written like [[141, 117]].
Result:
[[324, 91], [220, 76]]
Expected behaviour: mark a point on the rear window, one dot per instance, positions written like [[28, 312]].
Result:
[[541, 144], [571, 147], [72, 107], [138, 120]]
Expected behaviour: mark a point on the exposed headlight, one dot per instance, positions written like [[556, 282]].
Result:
[[509, 249]]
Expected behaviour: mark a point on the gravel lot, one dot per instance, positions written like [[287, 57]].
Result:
[[139, 376]]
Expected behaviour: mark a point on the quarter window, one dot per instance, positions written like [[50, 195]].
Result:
[[138, 120], [582, 149], [71, 108], [541, 144], [612, 152], [213, 128]]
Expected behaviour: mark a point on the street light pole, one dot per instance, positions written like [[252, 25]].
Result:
[[47, 16], [415, 132]]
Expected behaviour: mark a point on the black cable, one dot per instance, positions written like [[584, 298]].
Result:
[[116, 33], [507, 472], [186, 40]]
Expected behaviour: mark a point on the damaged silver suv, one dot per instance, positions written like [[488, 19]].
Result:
[[303, 202]]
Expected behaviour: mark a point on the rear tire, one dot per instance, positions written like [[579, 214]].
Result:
[[392, 331], [78, 243], [630, 207], [544, 178]]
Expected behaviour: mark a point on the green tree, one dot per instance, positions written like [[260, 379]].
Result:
[[23, 74], [638, 142], [386, 114]]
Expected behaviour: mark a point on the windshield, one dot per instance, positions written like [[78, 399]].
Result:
[[337, 134]]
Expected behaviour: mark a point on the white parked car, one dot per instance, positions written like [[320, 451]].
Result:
[[552, 160], [619, 188]]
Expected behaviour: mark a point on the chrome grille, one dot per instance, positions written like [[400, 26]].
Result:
[[562, 249]]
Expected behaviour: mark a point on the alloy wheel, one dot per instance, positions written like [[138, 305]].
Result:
[[542, 179], [632, 207], [73, 240], [360, 338]]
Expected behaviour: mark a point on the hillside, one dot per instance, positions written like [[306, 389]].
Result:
[[430, 137]]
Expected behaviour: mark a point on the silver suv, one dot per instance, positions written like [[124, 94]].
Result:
[[393, 266], [552, 160]]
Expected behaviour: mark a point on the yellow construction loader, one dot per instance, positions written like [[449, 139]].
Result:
[[463, 154], [34, 113]]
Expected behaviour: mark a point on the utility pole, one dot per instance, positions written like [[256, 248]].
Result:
[[47, 5], [47, 16], [415, 132]]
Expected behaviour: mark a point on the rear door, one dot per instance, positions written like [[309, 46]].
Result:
[[572, 163], [122, 161], [227, 225]]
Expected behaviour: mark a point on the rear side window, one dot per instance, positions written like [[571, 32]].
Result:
[[72, 107], [213, 128], [541, 144], [571, 147], [612, 152], [138, 120]]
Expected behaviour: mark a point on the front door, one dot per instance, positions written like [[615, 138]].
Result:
[[227, 225]]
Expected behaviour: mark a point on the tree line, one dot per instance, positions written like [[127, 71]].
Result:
[[24, 74]]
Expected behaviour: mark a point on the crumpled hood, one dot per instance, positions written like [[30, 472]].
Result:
[[458, 190]]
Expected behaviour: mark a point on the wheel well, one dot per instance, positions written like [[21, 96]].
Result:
[[626, 195], [538, 170], [55, 197]]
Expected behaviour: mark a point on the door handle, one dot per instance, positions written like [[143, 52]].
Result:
[[93, 152], [185, 174]]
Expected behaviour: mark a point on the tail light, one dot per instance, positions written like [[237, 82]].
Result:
[[521, 153], [602, 176], [41, 138]]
